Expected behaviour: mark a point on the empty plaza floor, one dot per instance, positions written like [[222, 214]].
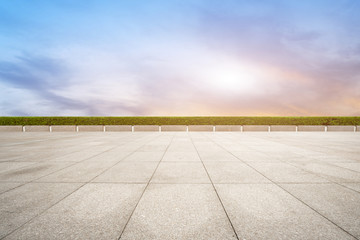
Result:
[[180, 185]]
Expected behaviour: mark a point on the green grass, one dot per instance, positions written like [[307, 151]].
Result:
[[179, 120]]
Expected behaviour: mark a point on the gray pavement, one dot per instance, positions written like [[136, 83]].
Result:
[[180, 185]]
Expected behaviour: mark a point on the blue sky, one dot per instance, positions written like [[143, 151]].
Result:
[[175, 58]]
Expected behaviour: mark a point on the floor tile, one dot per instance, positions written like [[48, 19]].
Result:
[[180, 172], [179, 211], [265, 211], [95, 211], [339, 204], [128, 172], [233, 172], [23, 203]]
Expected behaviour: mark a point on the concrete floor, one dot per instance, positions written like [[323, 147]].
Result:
[[180, 185]]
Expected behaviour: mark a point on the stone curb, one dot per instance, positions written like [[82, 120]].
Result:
[[90, 128], [283, 128], [16, 128], [37, 128], [256, 128], [146, 128], [228, 128], [200, 128], [173, 128], [118, 128], [309, 128], [341, 128], [63, 128]]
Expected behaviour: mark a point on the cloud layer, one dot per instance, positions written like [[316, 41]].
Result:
[[180, 58]]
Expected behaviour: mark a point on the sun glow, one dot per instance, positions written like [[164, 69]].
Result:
[[234, 78]]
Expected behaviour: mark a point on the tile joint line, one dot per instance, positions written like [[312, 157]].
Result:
[[147, 184], [279, 185], [217, 194]]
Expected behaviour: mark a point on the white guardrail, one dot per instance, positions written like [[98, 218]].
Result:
[[179, 128]]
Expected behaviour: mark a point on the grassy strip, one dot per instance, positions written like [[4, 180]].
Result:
[[179, 120]]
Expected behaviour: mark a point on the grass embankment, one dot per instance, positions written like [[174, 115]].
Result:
[[179, 120]]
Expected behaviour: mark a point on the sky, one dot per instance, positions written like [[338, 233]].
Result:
[[180, 58]]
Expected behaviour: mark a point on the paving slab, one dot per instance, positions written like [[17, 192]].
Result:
[[179, 211], [77, 156], [217, 156], [283, 155], [8, 166], [118, 128], [326, 159], [79, 172], [41, 155], [9, 155], [171, 156], [63, 128], [265, 211], [180, 172], [254, 156], [6, 186], [113, 155], [207, 147], [39, 172], [32, 172], [233, 172], [95, 211], [181, 147], [330, 172], [21, 204], [354, 166], [354, 186], [339, 204], [128, 172], [153, 147], [234, 147], [283, 172], [11, 128], [147, 156]]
